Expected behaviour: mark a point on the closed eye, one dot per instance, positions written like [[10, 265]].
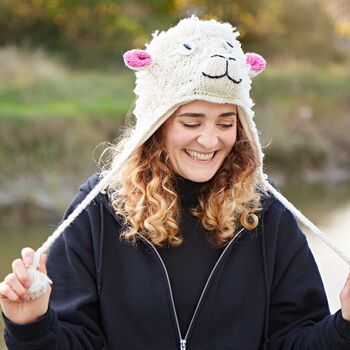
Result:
[[192, 126], [226, 126]]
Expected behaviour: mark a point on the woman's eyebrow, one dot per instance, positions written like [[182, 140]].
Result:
[[189, 114]]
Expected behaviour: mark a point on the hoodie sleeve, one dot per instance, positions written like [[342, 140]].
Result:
[[299, 313], [72, 321]]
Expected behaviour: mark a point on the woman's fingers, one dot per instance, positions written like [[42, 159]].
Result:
[[6, 292], [345, 299], [345, 293], [27, 255], [21, 272], [16, 286], [42, 264], [15, 301]]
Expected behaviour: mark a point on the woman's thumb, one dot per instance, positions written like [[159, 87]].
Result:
[[42, 264]]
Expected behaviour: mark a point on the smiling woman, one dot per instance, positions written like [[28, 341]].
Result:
[[181, 242]]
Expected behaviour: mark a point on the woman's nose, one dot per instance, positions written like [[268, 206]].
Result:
[[208, 139]]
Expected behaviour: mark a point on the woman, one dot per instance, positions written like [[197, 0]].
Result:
[[189, 245]]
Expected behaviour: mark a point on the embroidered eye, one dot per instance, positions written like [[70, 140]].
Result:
[[229, 45], [186, 48]]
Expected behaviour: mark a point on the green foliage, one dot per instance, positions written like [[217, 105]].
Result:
[[87, 32]]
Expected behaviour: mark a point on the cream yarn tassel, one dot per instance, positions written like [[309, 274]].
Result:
[[39, 281]]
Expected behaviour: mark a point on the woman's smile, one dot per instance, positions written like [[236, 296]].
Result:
[[199, 156]]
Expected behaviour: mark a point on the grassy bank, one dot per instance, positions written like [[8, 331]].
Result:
[[34, 87]]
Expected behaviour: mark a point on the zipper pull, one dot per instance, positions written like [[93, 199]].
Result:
[[183, 344]]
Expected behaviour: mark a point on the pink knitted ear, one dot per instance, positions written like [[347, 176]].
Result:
[[257, 63], [137, 59]]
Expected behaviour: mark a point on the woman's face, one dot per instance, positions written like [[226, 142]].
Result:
[[198, 137]]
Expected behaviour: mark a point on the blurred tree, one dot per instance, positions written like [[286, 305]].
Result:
[[85, 31], [95, 32], [339, 10], [297, 29]]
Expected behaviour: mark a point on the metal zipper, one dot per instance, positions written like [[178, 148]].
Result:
[[208, 280], [183, 341], [182, 344]]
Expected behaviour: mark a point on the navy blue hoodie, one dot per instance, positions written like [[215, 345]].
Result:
[[264, 292]]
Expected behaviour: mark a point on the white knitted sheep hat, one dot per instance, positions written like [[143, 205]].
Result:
[[194, 60]]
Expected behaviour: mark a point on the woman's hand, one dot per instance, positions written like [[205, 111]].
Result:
[[14, 299], [345, 300]]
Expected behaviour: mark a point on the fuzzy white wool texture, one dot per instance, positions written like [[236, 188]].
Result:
[[176, 71]]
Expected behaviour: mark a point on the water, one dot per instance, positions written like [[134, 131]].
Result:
[[332, 268], [328, 206]]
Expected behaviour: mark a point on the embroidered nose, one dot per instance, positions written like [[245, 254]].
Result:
[[226, 58]]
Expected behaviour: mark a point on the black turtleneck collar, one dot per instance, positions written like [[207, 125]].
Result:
[[188, 191]]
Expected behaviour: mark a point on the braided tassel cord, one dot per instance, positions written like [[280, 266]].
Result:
[[304, 220]]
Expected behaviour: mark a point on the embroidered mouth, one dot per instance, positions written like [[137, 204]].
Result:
[[221, 76]]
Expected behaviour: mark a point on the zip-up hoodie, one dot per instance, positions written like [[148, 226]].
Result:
[[264, 292]]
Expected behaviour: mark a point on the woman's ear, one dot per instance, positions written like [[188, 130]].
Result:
[[137, 59], [256, 62]]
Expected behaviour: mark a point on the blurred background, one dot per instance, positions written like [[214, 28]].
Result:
[[64, 93]]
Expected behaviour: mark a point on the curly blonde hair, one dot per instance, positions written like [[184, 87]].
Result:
[[144, 194]]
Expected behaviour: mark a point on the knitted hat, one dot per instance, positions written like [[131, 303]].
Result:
[[194, 60]]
